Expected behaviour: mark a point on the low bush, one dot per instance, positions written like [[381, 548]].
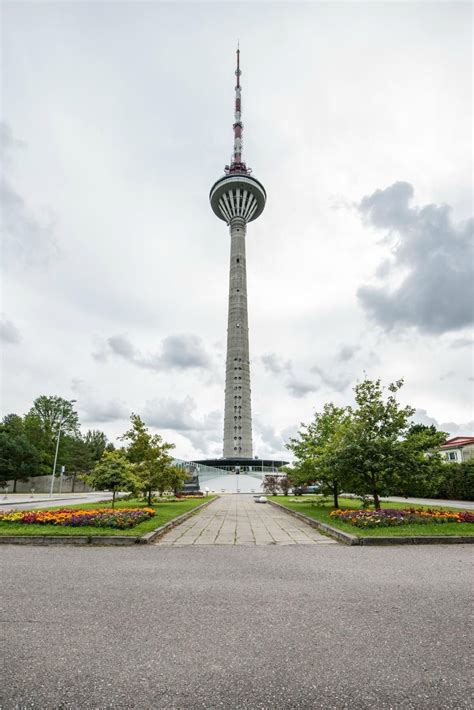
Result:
[[457, 481]]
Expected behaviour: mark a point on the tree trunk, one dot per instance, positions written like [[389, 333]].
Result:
[[335, 492], [376, 500], [113, 498], [149, 496], [73, 482], [14, 485]]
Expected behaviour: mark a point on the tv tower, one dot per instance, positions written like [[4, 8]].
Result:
[[237, 198]]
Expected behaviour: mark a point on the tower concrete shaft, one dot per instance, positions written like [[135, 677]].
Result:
[[238, 414], [237, 198]]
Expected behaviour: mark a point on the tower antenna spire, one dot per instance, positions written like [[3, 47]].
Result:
[[237, 165]]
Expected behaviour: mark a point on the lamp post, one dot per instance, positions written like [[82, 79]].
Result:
[[61, 422]]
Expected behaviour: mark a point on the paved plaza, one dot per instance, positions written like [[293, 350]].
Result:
[[239, 520]]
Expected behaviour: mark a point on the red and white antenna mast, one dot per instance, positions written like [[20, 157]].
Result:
[[237, 165]]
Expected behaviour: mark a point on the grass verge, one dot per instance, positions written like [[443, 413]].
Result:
[[164, 513], [313, 508]]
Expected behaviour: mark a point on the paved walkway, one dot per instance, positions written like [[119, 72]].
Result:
[[238, 520]]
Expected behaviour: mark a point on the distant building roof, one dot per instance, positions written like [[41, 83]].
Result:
[[458, 441]]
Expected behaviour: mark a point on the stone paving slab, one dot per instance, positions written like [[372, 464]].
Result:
[[239, 520]]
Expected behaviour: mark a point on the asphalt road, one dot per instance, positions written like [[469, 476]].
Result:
[[11, 501], [304, 626]]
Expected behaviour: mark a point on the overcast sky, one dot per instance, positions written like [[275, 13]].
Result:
[[117, 119]]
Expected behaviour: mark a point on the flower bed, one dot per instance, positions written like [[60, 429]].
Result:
[[121, 518], [389, 517]]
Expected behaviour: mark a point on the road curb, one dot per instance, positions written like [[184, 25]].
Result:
[[112, 540], [349, 539], [420, 540]]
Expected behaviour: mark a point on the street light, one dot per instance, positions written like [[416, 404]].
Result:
[[61, 422]]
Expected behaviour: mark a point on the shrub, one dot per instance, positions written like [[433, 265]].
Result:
[[457, 481]]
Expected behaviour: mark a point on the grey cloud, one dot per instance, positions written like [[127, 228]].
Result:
[[447, 375], [108, 411], [333, 382], [26, 239], [347, 352], [9, 333], [93, 408], [299, 388], [462, 343], [181, 352], [421, 416], [454, 429], [178, 352], [209, 443], [171, 414], [433, 255], [269, 437], [8, 144], [388, 209], [179, 415], [273, 441], [275, 364], [120, 345]]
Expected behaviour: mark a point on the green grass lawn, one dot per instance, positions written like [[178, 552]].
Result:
[[313, 508], [164, 513]]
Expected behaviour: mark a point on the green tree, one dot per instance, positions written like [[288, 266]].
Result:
[[150, 455], [173, 479], [372, 450], [51, 411], [423, 470], [19, 459], [112, 473], [96, 442], [13, 424], [80, 453], [317, 451], [42, 424]]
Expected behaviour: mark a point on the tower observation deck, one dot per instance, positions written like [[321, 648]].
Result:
[[237, 198]]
